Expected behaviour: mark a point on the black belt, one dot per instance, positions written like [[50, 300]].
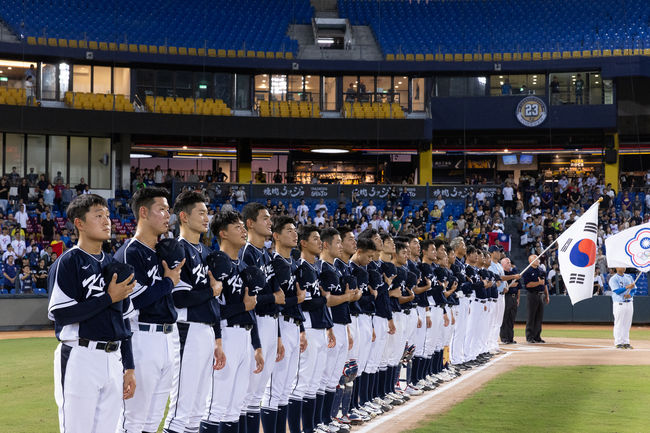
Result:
[[165, 328], [298, 322], [109, 346], [247, 327], [273, 316], [354, 314], [482, 301], [514, 295], [407, 311], [624, 302]]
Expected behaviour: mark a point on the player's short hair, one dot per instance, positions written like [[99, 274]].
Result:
[[409, 236], [426, 244], [402, 238], [438, 243], [222, 220], [186, 201], [368, 233], [344, 230], [365, 244], [251, 211], [399, 246], [280, 221], [385, 236], [327, 234], [81, 205], [455, 242], [471, 250], [305, 231], [145, 197]]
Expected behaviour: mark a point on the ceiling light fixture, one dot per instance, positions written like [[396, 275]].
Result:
[[330, 151]]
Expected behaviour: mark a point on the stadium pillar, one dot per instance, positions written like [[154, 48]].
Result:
[[123, 161], [426, 164], [244, 160], [612, 161]]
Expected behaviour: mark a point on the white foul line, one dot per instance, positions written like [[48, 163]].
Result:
[[368, 427]]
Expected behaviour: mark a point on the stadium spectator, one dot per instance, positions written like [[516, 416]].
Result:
[[10, 273], [81, 187], [22, 216], [578, 87], [555, 91], [40, 275], [260, 176], [506, 88], [26, 280]]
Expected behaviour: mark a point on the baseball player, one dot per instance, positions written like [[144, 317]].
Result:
[[496, 255], [258, 223], [491, 301], [276, 396], [452, 305], [305, 402], [155, 318], [93, 364], [197, 337], [623, 291], [464, 293], [239, 333], [477, 306]]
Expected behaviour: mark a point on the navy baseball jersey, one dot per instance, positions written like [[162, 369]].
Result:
[[464, 284], [250, 255], [382, 302], [330, 280], [80, 305], [284, 278], [346, 273], [477, 284], [440, 276], [366, 303], [315, 303], [426, 272], [152, 295], [410, 304], [193, 296]]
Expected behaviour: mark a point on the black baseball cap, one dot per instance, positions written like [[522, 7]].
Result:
[[171, 251], [254, 279], [219, 265]]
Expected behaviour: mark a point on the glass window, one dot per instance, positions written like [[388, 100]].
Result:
[[351, 88], [101, 79], [366, 89], [278, 87], [401, 85], [165, 83], [384, 89], [262, 87], [243, 92], [608, 91], [295, 87], [145, 81], [521, 84], [418, 92], [36, 153], [100, 162], [204, 85], [78, 160], [459, 86], [183, 84], [13, 73], [64, 79], [223, 87], [58, 156], [48, 81], [312, 89], [81, 78], [329, 93], [576, 88], [122, 81], [14, 150]]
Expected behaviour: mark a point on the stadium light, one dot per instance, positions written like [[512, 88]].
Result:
[[330, 151], [139, 155]]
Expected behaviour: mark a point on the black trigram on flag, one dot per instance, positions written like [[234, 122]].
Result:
[[576, 278], [566, 244], [591, 227]]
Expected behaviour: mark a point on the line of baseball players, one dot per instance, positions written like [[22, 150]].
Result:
[[310, 338]]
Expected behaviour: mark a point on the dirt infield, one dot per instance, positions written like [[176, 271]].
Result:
[[11, 335]]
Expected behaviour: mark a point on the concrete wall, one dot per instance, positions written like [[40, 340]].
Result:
[[23, 312]]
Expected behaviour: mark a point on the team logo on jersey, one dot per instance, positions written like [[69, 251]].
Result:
[[153, 274], [312, 287], [531, 111], [236, 283], [94, 285], [201, 273]]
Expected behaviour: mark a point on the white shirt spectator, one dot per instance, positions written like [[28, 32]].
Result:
[[480, 197], [4, 241], [364, 225], [320, 206], [591, 180], [611, 193], [370, 210], [158, 177], [21, 218], [7, 254], [535, 200], [441, 204], [384, 224], [563, 183], [319, 220], [302, 209], [375, 224], [647, 201], [19, 247], [508, 193]]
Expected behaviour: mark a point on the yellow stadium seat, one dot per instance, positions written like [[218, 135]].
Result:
[[214, 53], [428, 57], [617, 52], [288, 56], [607, 53], [516, 56], [419, 57], [232, 53], [83, 43], [537, 56], [103, 46], [72, 43], [467, 57], [546, 55], [477, 57], [270, 55], [390, 57], [63, 43], [51, 42], [399, 56], [637, 52], [112, 46], [93, 45], [191, 52], [497, 57], [526, 56], [182, 51], [31, 40], [507, 57], [439, 57], [566, 54], [449, 57], [576, 54], [458, 57], [123, 46], [487, 57], [279, 54], [42, 41], [143, 49], [556, 55], [162, 49], [153, 49], [409, 57], [250, 53], [260, 54], [586, 53], [201, 52], [627, 52], [646, 51], [241, 53], [172, 50]]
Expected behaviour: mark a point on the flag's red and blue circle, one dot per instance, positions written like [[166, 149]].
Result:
[[583, 253]]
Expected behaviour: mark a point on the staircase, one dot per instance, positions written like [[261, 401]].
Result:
[[6, 34]]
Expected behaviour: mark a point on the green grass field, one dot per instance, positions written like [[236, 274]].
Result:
[[636, 333], [554, 399]]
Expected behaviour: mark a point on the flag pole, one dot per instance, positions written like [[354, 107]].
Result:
[[549, 247], [638, 276]]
